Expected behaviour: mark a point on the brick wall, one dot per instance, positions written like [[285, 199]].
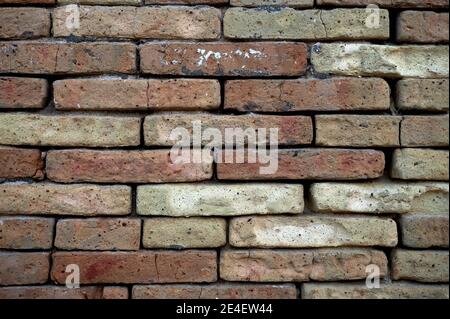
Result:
[[86, 176]]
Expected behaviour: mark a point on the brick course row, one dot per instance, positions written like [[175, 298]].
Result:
[[24, 233], [230, 291], [257, 59], [70, 166], [199, 266], [345, 94], [204, 23], [252, 3], [419, 230], [196, 199], [330, 130]]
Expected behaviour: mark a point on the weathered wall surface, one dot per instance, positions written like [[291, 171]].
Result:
[[360, 99]]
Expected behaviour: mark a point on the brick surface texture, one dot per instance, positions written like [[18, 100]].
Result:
[[224, 149]]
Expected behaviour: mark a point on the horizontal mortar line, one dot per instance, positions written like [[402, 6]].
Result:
[[138, 42], [217, 182], [226, 112], [169, 147], [142, 75]]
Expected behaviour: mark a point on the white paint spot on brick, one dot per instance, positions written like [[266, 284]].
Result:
[[206, 55]]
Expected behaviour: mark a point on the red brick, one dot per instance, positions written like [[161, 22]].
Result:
[[255, 59], [22, 93], [43, 57], [20, 163], [138, 267], [98, 234], [184, 94], [422, 27], [51, 292], [23, 268], [100, 94], [388, 3], [215, 291], [152, 22], [26, 232], [319, 164], [292, 130], [116, 94], [424, 131], [336, 94], [153, 166]]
